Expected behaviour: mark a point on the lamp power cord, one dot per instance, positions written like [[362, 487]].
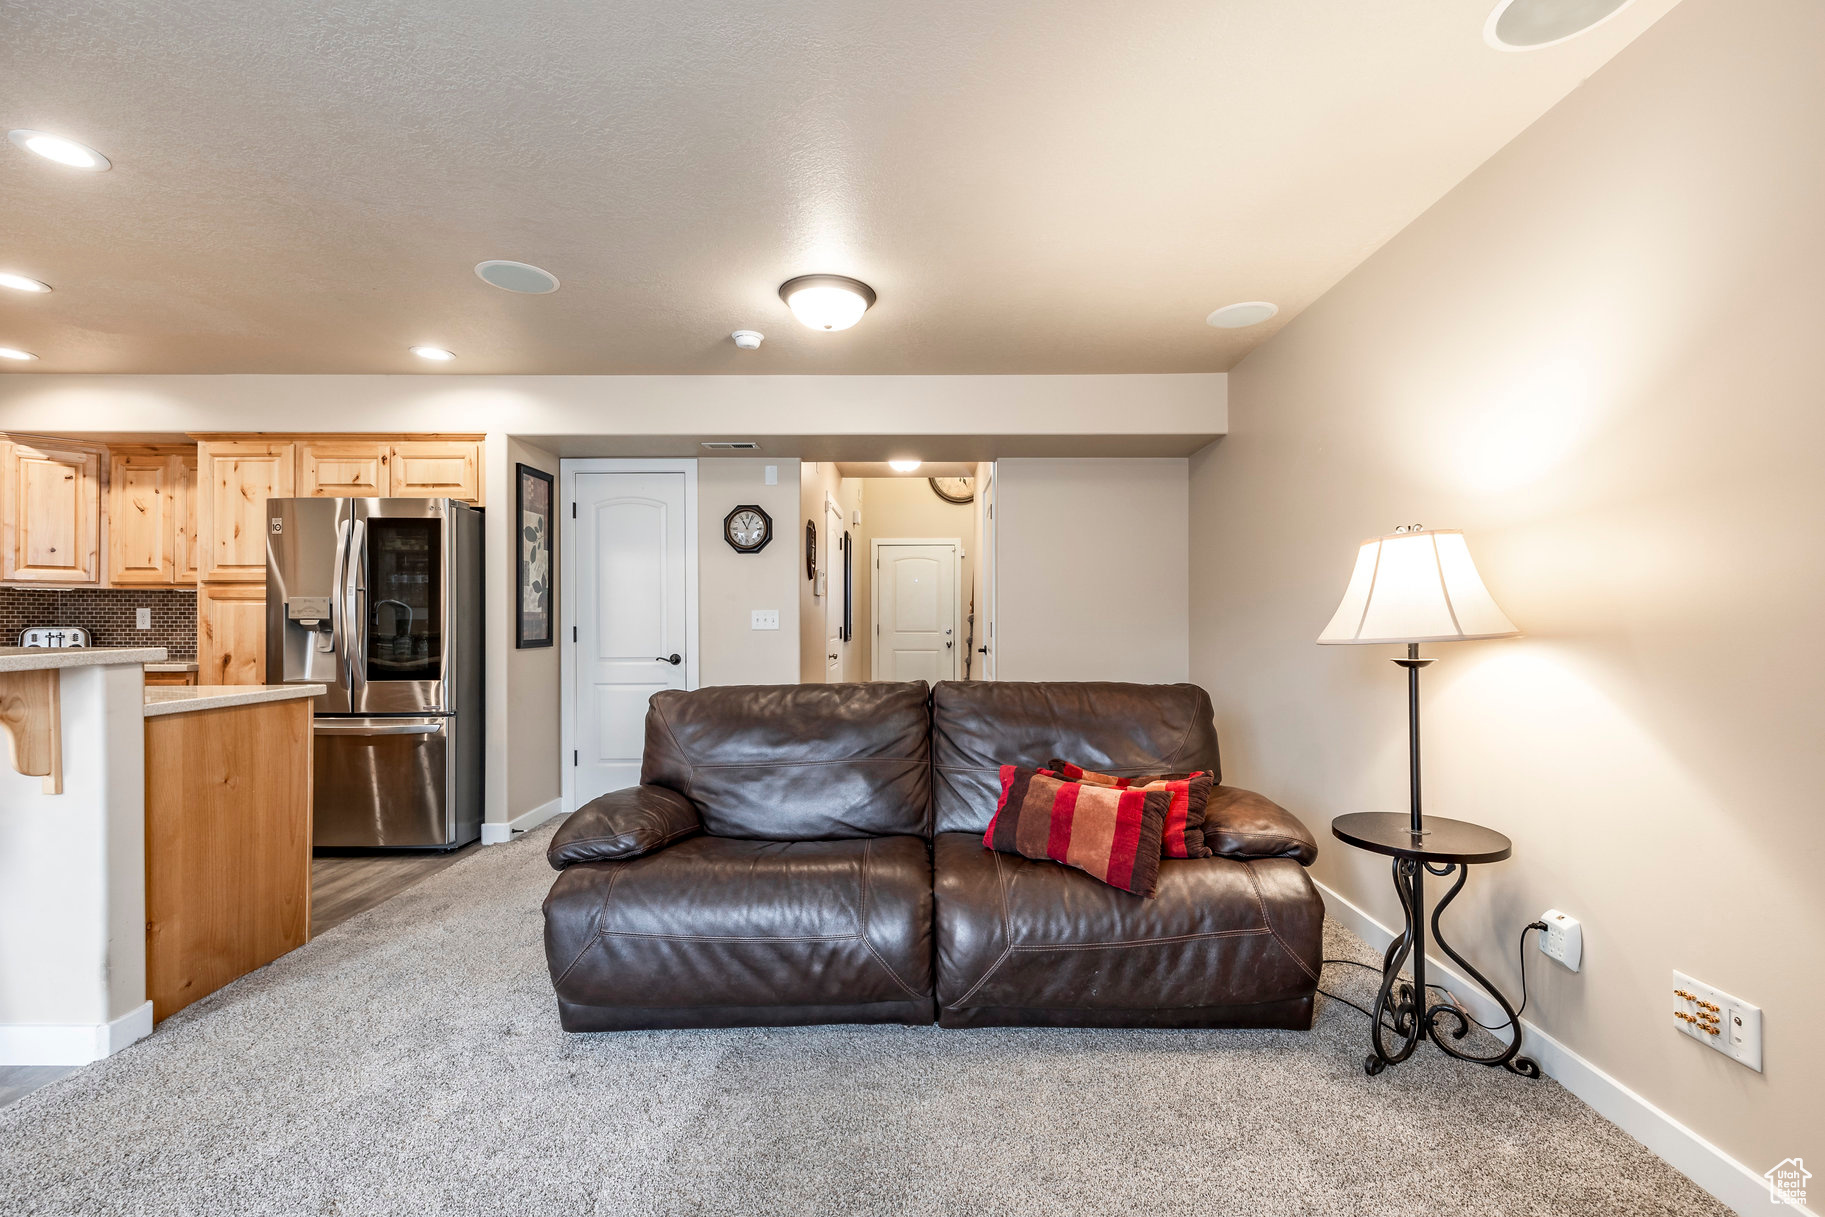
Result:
[[1521, 955]]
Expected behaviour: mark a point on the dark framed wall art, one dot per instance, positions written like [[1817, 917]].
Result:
[[533, 583]]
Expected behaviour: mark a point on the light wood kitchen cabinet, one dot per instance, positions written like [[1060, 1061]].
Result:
[[184, 507], [231, 633], [234, 480], [436, 469], [50, 512], [151, 532], [342, 469]]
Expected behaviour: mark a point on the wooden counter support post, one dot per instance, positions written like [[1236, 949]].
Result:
[[33, 722]]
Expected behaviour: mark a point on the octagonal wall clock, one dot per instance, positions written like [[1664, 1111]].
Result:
[[747, 529]]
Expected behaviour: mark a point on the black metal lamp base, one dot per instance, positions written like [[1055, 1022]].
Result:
[[1401, 1012]]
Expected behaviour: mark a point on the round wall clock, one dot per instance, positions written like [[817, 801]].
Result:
[[955, 490], [810, 549], [747, 529]]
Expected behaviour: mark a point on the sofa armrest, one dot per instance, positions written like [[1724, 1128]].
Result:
[[1242, 824], [623, 824]]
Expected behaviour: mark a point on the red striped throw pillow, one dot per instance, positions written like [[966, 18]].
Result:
[[1184, 833], [1109, 834]]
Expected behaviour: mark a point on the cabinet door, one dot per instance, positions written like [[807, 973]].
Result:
[[52, 515], [234, 480], [342, 469], [184, 522], [141, 518], [231, 634], [437, 469]]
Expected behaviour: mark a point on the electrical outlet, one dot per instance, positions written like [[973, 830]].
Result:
[[1711, 1016], [764, 619], [142, 619], [1563, 938]]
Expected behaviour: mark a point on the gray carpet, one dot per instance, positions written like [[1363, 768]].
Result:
[[409, 1062]]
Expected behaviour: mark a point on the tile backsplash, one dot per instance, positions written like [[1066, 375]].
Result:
[[107, 613]]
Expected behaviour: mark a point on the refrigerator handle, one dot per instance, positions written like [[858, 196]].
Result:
[[354, 623]]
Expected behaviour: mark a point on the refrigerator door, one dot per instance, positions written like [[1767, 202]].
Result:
[[307, 629], [411, 600], [385, 782]]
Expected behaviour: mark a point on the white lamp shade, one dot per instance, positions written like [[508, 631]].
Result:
[[1416, 587]]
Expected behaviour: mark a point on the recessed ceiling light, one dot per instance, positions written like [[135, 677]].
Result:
[[902, 466], [63, 151], [827, 302], [1528, 25], [20, 283], [521, 277], [435, 354], [748, 340], [14, 353], [1241, 316]]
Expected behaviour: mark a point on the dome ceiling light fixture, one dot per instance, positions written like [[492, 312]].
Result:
[[1529, 25], [434, 354], [1241, 316], [21, 283], [16, 353], [521, 277], [903, 466], [63, 151], [827, 302]]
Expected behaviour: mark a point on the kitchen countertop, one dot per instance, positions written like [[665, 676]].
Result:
[[35, 659], [182, 699], [173, 665]]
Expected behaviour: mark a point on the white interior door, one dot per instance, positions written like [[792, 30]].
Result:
[[835, 649], [915, 610], [632, 620]]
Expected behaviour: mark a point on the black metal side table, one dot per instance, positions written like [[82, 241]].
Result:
[[1441, 847]]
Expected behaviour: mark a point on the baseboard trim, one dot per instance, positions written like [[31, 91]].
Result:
[[495, 834], [72, 1043], [1736, 1185]]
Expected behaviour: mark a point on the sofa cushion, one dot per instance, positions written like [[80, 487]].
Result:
[[1221, 932], [1112, 835], [978, 726], [1184, 833], [712, 921], [796, 762]]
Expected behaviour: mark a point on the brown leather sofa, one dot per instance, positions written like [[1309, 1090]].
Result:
[[813, 854]]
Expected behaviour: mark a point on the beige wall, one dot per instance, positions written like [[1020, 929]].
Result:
[[901, 507], [818, 479], [1091, 569], [1598, 356], [731, 585], [532, 724]]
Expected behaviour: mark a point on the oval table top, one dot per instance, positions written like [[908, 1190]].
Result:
[[1443, 840]]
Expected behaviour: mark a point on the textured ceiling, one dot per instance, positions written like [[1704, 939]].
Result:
[[1031, 187]]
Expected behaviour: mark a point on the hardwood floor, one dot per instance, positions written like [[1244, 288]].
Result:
[[341, 887]]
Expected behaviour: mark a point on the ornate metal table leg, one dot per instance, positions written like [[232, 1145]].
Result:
[[1507, 1058], [1396, 1007]]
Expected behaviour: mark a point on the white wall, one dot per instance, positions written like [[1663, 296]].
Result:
[[731, 585], [1092, 558], [529, 713], [1599, 357]]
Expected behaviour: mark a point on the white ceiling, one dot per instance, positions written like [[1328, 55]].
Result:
[[1031, 187]]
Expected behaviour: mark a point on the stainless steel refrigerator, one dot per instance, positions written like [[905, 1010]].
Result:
[[381, 600]]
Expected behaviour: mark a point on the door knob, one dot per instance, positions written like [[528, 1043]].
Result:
[[674, 659], [982, 650], [833, 657]]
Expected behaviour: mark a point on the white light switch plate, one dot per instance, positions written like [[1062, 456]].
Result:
[[1738, 1024], [772, 475], [764, 619], [142, 619]]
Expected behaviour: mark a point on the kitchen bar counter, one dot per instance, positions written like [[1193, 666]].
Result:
[[38, 659], [173, 665], [183, 699]]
